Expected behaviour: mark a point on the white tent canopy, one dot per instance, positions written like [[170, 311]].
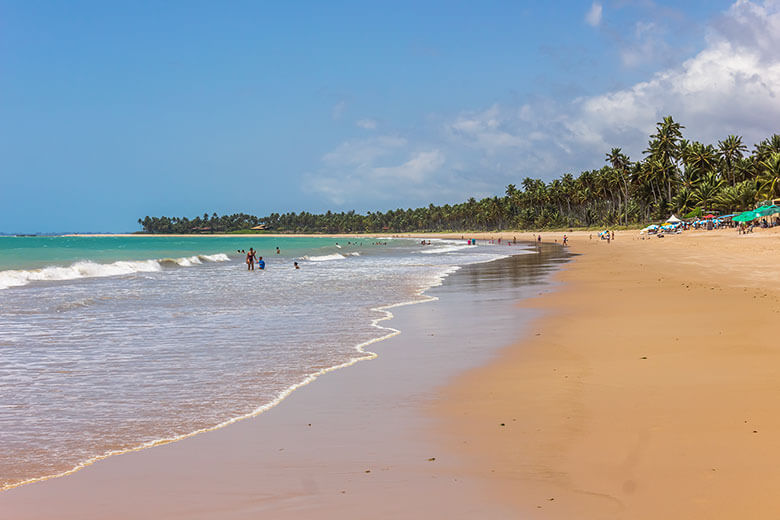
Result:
[[673, 220]]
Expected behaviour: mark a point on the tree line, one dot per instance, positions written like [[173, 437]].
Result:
[[675, 175]]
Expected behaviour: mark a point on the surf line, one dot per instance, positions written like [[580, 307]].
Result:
[[365, 355]]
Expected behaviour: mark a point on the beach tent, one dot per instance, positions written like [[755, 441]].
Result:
[[673, 220], [746, 216]]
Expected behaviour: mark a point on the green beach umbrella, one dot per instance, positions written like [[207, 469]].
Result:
[[766, 210], [747, 216]]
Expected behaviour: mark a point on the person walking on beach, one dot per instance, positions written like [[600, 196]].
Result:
[[565, 240], [613, 235], [250, 260]]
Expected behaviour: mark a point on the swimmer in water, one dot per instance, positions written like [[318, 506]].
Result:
[[250, 260], [295, 264]]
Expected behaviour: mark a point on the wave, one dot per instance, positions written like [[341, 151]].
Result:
[[89, 269], [323, 258], [445, 249]]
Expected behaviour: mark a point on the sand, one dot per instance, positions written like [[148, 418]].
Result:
[[649, 390], [647, 386]]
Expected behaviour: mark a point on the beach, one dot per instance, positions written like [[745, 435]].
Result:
[[641, 381], [648, 390]]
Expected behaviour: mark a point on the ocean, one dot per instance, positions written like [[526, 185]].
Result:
[[113, 344]]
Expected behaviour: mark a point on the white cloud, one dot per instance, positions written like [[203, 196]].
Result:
[[731, 86], [368, 124], [363, 151], [380, 167], [415, 169], [593, 16]]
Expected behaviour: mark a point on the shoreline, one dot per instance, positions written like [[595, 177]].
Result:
[[23, 500], [361, 355]]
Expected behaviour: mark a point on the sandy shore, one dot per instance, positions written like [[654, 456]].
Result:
[[649, 390], [647, 387]]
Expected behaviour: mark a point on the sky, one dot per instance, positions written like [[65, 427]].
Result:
[[111, 111]]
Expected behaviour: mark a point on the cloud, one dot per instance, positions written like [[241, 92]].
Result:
[[593, 16], [338, 110], [414, 170], [379, 167], [731, 86], [363, 152], [368, 124]]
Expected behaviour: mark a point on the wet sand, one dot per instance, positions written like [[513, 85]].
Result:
[[650, 389], [359, 442]]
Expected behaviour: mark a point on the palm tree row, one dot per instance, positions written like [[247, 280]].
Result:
[[674, 175]]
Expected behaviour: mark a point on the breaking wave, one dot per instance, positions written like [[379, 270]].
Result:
[[88, 269]]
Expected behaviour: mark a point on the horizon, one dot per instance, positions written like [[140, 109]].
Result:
[[110, 113]]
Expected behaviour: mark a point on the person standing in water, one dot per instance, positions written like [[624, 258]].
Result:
[[295, 264], [277, 250], [250, 260], [260, 263]]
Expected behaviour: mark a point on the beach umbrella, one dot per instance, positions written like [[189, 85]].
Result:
[[709, 216], [746, 216], [766, 210]]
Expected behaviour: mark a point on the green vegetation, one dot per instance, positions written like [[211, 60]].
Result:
[[674, 176]]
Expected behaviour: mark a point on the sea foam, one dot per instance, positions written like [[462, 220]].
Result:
[[88, 269]]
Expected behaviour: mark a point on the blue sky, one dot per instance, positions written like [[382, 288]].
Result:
[[113, 111]]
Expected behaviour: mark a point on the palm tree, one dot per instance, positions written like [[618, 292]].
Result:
[[664, 148], [731, 149], [707, 190], [769, 177], [620, 164]]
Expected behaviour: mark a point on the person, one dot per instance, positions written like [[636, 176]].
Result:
[[260, 263], [250, 260], [539, 239], [277, 250], [295, 264], [565, 240], [613, 235]]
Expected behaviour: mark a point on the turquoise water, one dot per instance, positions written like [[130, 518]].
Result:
[[37, 252], [108, 344]]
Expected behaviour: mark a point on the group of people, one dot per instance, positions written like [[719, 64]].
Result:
[[253, 259]]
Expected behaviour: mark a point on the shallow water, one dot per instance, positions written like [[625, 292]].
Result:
[[120, 344]]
